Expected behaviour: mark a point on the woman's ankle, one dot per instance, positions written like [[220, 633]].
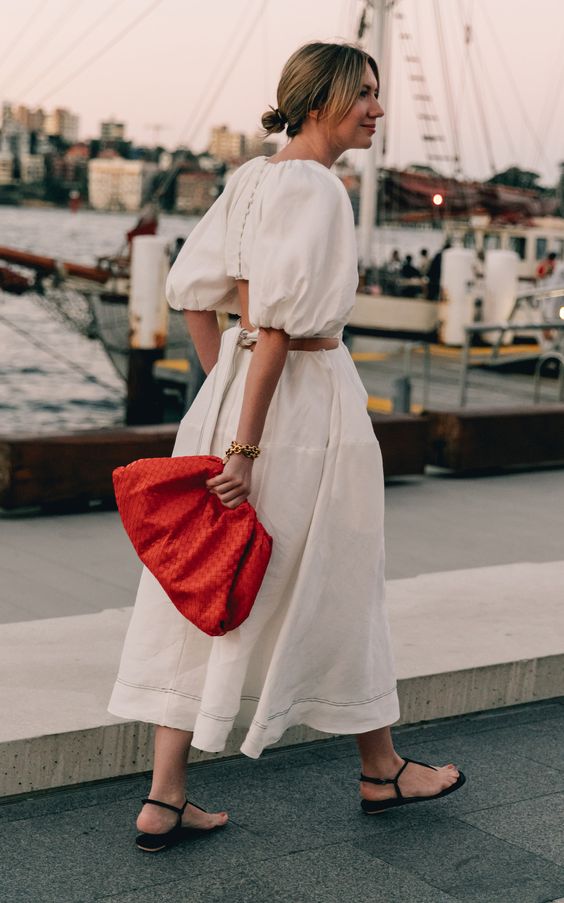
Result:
[[385, 766], [175, 796]]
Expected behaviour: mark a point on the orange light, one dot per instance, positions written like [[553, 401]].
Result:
[[438, 199]]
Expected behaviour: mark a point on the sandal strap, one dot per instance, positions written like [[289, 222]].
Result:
[[393, 781], [397, 777], [424, 764], [178, 811], [368, 780], [190, 803]]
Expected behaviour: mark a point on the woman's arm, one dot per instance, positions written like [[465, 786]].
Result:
[[269, 356], [204, 332], [264, 372]]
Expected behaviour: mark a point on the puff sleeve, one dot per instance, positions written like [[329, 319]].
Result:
[[198, 278], [303, 270]]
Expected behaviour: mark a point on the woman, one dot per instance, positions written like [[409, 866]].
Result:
[[278, 248]]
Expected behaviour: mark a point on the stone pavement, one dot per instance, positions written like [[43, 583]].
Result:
[[297, 834]]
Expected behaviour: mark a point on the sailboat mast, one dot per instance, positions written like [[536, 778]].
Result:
[[374, 156]]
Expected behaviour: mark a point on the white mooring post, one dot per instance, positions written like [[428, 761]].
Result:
[[148, 327], [502, 287], [457, 277]]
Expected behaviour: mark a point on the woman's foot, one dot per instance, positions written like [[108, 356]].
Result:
[[154, 820], [415, 780]]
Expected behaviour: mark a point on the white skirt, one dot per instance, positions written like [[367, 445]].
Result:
[[315, 649]]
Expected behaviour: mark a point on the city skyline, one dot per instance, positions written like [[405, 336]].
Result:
[[48, 121], [170, 49]]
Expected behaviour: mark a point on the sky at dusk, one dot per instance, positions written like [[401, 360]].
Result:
[[174, 68]]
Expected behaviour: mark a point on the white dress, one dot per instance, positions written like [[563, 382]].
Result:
[[315, 649]]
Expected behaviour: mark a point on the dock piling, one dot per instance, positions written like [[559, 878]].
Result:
[[148, 327]]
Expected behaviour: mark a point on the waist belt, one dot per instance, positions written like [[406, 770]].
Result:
[[248, 340]]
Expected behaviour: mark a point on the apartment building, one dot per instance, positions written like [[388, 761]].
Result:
[[118, 184], [195, 191]]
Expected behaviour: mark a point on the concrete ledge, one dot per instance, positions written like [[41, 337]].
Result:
[[73, 757], [465, 641], [60, 760], [479, 689]]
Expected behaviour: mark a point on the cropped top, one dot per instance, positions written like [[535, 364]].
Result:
[[288, 228]]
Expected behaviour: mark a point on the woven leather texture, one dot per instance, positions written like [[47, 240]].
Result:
[[210, 560]]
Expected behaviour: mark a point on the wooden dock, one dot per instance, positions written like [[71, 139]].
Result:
[[76, 469]]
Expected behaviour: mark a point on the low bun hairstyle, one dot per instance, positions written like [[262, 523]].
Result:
[[318, 76], [273, 121]]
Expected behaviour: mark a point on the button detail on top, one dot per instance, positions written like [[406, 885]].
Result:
[[244, 220]]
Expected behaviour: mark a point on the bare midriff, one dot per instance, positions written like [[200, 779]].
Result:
[[296, 344]]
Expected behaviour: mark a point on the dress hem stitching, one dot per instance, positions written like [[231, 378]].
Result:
[[256, 723], [264, 727]]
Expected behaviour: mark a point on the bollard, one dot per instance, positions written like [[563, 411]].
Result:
[[456, 285], [401, 395], [501, 289], [148, 327]]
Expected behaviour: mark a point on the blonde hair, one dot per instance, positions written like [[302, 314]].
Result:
[[318, 76]]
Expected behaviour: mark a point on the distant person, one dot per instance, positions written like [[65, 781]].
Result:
[[424, 261], [408, 273], [394, 263], [546, 266], [434, 274], [555, 279], [390, 273], [478, 265]]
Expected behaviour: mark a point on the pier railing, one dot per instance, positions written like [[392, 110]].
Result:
[[502, 329]]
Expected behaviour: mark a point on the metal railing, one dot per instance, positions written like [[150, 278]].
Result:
[[401, 386], [553, 355], [533, 300], [502, 328]]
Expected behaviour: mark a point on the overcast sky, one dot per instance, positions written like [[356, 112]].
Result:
[[187, 65]]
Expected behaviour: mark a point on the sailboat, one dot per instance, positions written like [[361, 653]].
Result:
[[496, 217]]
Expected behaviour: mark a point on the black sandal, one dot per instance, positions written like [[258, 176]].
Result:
[[371, 807], [154, 843]]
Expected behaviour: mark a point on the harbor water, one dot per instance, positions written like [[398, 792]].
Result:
[[52, 378]]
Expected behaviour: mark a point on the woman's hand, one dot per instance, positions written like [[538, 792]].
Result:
[[233, 485]]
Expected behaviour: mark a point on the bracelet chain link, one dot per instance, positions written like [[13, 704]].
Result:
[[249, 451]]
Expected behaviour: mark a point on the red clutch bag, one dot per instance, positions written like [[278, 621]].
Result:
[[210, 560]]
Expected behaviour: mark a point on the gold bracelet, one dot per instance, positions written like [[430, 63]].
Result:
[[249, 451]]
